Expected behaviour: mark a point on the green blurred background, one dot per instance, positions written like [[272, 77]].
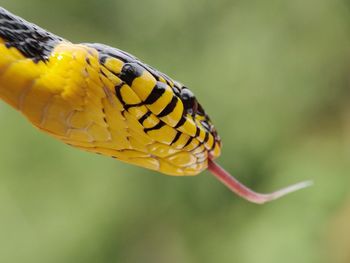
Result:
[[274, 77]]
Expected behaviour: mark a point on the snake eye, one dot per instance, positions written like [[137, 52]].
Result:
[[189, 101]]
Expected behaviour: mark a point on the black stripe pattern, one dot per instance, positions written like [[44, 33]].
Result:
[[156, 93], [130, 71], [144, 117], [159, 125], [177, 136], [169, 108]]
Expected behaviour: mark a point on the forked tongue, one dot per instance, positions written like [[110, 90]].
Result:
[[238, 188]]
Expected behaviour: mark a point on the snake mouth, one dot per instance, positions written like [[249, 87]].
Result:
[[246, 193]]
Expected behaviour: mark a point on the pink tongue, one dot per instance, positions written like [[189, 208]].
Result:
[[235, 186]]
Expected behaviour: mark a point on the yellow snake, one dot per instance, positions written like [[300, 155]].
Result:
[[104, 100]]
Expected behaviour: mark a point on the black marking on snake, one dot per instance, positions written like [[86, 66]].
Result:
[[169, 108], [128, 106], [88, 61], [156, 127], [157, 91], [120, 98], [200, 111], [102, 73], [188, 141], [197, 132], [130, 71], [177, 136], [167, 80], [144, 117], [155, 73], [118, 93], [32, 41], [206, 138], [181, 122], [213, 146], [107, 52], [189, 101], [205, 125]]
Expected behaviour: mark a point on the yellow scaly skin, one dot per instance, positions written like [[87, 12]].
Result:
[[71, 95]]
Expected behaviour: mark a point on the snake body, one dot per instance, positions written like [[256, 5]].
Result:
[[104, 100]]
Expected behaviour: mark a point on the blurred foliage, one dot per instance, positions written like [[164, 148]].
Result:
[[274, 77]]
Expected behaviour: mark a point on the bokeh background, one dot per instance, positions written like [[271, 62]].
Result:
[[273, 76]]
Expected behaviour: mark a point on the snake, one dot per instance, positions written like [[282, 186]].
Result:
[[104, 100]]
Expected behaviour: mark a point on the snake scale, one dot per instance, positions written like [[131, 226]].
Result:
[[104, 100]]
